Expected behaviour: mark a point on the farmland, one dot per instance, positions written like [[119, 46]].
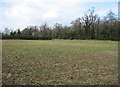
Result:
[[77, 62]]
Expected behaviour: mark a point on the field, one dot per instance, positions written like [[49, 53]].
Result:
[[77, 62]]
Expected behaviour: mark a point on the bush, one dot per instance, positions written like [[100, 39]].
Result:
[[27, 37]]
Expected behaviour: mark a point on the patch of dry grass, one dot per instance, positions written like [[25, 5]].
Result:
[[59, 62]]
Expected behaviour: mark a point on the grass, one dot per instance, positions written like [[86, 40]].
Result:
[[53, 62]]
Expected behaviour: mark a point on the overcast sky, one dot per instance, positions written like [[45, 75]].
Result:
[[16, 14]]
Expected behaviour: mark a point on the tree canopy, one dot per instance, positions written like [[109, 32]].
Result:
[[90, 26]]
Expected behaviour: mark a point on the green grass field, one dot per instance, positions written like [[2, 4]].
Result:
[[77, 62]]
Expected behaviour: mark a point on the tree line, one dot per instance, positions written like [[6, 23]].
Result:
[[90, 26]]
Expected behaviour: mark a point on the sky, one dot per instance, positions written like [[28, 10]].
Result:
[[16, 14]]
